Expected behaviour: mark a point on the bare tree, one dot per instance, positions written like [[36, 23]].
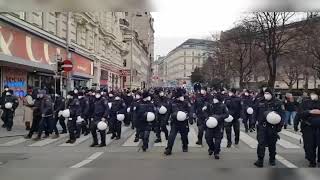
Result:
[[272, 36]]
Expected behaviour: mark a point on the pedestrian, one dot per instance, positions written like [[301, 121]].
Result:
[[72, 112], [28, 102]]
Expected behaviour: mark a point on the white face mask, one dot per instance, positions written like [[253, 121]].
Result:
[[149, 98], [129, 94], [117, 98], [215, 101], [314, 97], [69, 97], [203, 92], [137, 96], [267, 96], [181, 98], [80, 97], [57, 95], [76, 91], [230, 94], [93, 94], [110, 95], [6, 89], [161, 94], [246, 94], [40, 95], [98, 96]]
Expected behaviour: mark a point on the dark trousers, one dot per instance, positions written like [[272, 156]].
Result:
[[201, 128], [213, 139], [45, 124], [35, 125], [248, 121], [94, 130], [236, 128], [72, 125], [145, 133], [7, 118], [161, 125], [175, 129], [310, 138], [61, 122], [267, 137], [127, 119], [116, 127]]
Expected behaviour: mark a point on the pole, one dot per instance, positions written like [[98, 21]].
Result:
[[67, 49], [131, 49]]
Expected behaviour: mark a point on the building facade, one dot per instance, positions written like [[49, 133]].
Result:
[[181, 62], [31, 43]]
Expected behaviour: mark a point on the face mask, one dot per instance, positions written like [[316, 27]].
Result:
[[145, 99], [181, 98], [57, 95], [246, 94], [203, 92], [117, 98], [69, 97], [93, 94], [8, 94], [314, 97], [110, 95], [161, 94], [75, 91], [80, 97], [149, 98], [230, 94], [264, 88], [129, 94], [6, 89], [98, 96], [40, 95], [137, 96], [267, 96], [215, 101]]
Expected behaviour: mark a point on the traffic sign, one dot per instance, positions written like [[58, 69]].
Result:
[[67, 66]]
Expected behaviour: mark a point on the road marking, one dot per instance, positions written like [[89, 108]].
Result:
[[14, 142], [163, 142], [291, 134], [193, 138], [224, 143], [285, 162], [88, 160], [252, 143], [78, 141], [286, 144], [130, 141], [47, 141]]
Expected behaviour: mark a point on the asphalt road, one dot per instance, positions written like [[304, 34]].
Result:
[[123, 159]]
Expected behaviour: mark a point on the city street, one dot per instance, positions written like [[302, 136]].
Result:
[[53, 159]]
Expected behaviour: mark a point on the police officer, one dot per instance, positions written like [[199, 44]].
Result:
[[135, 119], [110, 98], [247, 119], [179, 111], [85, 108], [59, 106], [91, 97], [73, 104], [267, 131], [200, 107], [36, 115], [213, 136], [9, 105], [162, 105], [310, 126], [46, 109], [233, 104], [100, 113], [143, 110], [117, 107], [128, 100]]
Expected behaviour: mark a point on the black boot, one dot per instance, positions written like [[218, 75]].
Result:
[[167, 152], [229, 145], [259, 163], [210, 152], [113, 136], [199, 143], [272, 162], [94, 144], [216, 156], [157, 140], [312, 164], [136, 139], [185, 149], [102, 145], [27, 124]]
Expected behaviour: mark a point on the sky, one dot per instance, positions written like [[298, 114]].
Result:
[[179, 20]]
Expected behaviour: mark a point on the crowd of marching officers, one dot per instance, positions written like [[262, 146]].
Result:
[[86, 111]]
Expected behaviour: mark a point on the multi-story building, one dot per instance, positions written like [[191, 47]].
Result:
[[158, 71], [181, 61], [31, 43]]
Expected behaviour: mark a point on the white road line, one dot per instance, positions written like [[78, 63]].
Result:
[[14, 142], [163, 142], [286, 144], [291, 134], [193, 138], [88, 160], [252, 143], [78, 141], [47, 141], [285, 162], [224, 143]]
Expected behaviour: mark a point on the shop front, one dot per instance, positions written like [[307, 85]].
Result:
[[29, 61]]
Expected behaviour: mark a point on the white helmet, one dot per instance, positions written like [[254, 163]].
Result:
[[66, 113], [102, 126], [120, 117], [128, 110], [273, 118], [60, 113], [212, 122], [250, 110], [8, 105], [150, 116], [79, 120], [181, 116], [162, 110], [229, 119]]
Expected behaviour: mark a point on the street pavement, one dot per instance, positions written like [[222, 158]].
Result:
[[124, 159]]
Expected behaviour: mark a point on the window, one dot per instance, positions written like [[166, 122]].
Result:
[[126, 13], [124, 63]]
